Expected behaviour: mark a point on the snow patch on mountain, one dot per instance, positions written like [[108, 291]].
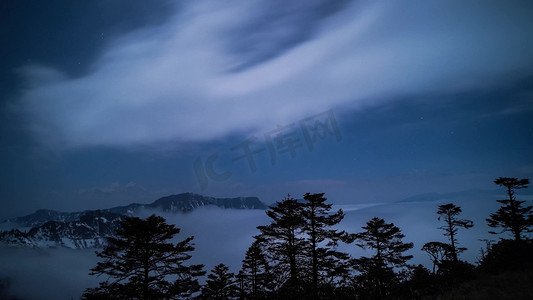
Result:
[[89, 229]]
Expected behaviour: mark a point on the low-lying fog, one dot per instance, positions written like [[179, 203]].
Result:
[[222, 236]]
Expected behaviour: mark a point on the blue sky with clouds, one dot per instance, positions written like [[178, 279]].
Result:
[[109, 102]]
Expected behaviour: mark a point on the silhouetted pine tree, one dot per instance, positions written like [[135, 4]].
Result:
[[255, 272], [512, 216], [220, 285], [283, 244], [449, 214], [377, 271], [336, 273], [140, 262], [242, 284], [321, 239], [438, 252]]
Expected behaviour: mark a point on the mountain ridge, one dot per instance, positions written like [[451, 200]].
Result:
[[89, 228], [177, 203]]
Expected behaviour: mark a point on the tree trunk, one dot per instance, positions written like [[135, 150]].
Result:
[[452, 239], [515, 227], [314, 254]]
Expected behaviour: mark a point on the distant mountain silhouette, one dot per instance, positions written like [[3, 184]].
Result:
[[88, 229], [187, 202]]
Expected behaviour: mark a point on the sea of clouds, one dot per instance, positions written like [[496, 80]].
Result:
[[222, 236]]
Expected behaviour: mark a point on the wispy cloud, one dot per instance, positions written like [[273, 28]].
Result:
[[217, 69]]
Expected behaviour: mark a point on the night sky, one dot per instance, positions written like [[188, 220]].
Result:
[[104, 103]]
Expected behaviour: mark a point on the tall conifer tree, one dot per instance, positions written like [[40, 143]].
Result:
[[141, 260], [512, 216], [386, 240], [321, 237], [283, 243], [220, 285]]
